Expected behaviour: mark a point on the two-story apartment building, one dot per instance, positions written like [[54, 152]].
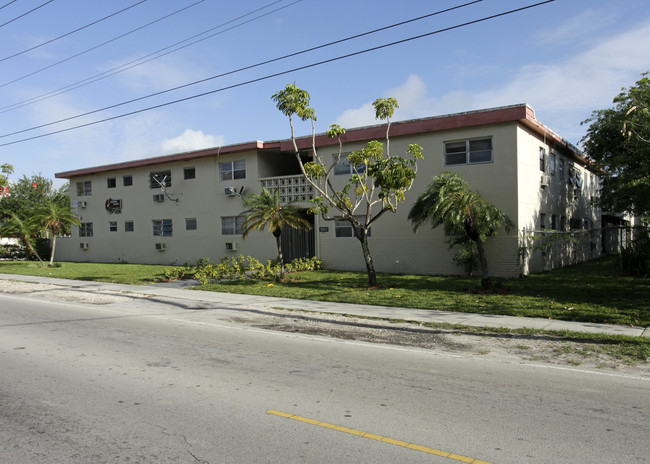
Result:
[[178, 208]]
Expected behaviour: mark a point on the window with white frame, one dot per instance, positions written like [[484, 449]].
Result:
[[474, 151], [86, 229], [343, 228], [84, 188], [542, 159], [231, 225], [189, 173], [344, 168], [162, 227], [232, 170]]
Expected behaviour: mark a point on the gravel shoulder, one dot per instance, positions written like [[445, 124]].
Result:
[[518, 348]]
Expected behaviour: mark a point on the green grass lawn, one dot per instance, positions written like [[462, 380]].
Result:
[[589, 292], [116, 273]]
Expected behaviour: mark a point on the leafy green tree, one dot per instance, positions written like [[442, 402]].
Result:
[[55, 218], [265, 209], [378, 180], [30, 193], [23, 229], [5, 170], [448, 201], [618, 140]]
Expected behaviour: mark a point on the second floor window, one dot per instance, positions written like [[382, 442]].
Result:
[[156, 179], [343, 167], [468, 152], [232, 170], [231, 225], [84, 188]]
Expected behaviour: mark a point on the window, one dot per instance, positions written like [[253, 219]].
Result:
[[560, 170], [343, 167], [343, 228], [552, 164], [542, 221], [575, 224], [562, 223], [111, 182], [232, 170], [542, 159], [231, 225], [190, 224], [84, 188], [468, 152], [112, 226], [86, 229], [156, 179], [162, 227], [554, 221], [127, 181], [189, 173], [128, 226]]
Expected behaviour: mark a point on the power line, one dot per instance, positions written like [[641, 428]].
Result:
[[143, 59], [281, 73], [72, 32], [101, 44], [7, 4], [24, 14], [247, 67]]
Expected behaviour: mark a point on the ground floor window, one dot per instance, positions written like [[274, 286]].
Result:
[[162, 227], [231, 225], [343, 228], [86, 229], [128, 226]]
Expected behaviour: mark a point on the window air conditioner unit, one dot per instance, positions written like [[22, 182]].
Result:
[[161, 246], [83, 246], [159, 197], [546, 180], [82, 204], [231, 246], [230, 191]]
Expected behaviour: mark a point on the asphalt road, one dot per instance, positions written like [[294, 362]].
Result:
[[147, 382]]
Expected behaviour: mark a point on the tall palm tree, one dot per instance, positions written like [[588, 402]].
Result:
[[55, 218], [23, 229], [265, 209], [448, 201]]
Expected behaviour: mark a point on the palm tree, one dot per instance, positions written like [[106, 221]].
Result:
[[23, 229], [448, 201], [56, 218], [266, 209]]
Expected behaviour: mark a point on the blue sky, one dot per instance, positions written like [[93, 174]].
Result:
[[565, 58]]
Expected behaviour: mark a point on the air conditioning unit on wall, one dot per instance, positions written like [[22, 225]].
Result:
[[231, 246], [161, 246], [83, 246], [159, 197], [230, 191], [545, 181], [81, 204]]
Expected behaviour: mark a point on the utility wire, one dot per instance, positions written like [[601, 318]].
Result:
[[72, 32], [245, 68], [282, 73], [139, 61], [24, 14], [7, 4], [101, 44]]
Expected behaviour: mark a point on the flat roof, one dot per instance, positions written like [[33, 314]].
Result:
[[522, 113]]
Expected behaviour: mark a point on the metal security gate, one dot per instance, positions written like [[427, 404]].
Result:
[[298, 243]]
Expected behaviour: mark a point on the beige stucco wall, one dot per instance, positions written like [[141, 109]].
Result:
[[511, 182]]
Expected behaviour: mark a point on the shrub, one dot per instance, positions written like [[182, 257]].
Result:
[[248, 267]]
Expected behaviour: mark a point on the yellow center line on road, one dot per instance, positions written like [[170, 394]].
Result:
[[372, 436]]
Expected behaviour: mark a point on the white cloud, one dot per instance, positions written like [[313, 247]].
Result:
[[563, 93], [190, 140]]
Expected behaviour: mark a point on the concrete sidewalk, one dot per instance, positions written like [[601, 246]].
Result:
[[177, 291]]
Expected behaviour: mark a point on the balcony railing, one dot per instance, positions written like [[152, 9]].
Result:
[[292, 188]]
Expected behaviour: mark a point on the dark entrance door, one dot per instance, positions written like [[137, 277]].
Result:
[[298, 243]]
